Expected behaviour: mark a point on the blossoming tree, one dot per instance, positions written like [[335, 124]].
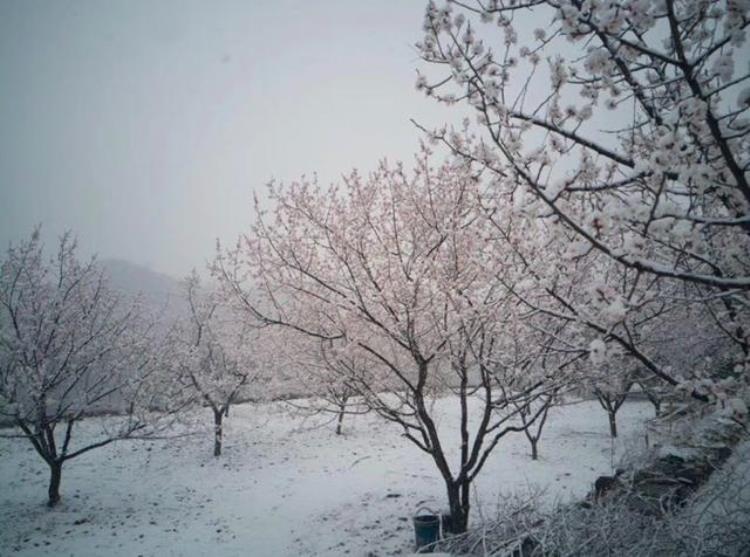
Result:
[[69, 348], [324, 375], [624, 125], [400, 271], [216, 354]]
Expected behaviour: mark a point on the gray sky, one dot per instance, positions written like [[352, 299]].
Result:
[[144, 126]]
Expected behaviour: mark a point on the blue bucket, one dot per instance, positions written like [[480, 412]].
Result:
[[426, 530]]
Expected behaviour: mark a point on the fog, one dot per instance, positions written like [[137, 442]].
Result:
[[146, 127]]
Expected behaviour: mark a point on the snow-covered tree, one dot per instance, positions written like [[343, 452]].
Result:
[[216, 353], [625, 126], [400, 272], [611, 389], [69, 349], [325, 377], [536, 410]]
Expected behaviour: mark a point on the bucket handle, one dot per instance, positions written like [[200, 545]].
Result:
[[428, 509]]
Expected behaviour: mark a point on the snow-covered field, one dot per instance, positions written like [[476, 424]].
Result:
[[282, 486]]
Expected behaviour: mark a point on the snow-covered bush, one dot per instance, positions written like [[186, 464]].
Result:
[[687, 495], [714, 521]]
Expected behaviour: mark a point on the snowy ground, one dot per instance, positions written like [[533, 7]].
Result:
[[281, 488]]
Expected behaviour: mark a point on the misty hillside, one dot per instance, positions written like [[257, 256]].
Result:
[[157, 289]]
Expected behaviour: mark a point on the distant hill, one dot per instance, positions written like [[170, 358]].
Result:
[[161, 291]]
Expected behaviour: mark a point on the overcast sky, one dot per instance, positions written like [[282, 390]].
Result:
[[145, 126]]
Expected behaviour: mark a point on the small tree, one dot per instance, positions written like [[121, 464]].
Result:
[[610, 381], [215, 353], [536, 410], [329, 376], [70, 349], [611, 401], [653, 389]]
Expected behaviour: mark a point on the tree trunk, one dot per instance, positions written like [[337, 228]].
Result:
[[342, 411], [54, 483], [340, 421], [218, 417], [459, 509], [534, 451], [612, 424]]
